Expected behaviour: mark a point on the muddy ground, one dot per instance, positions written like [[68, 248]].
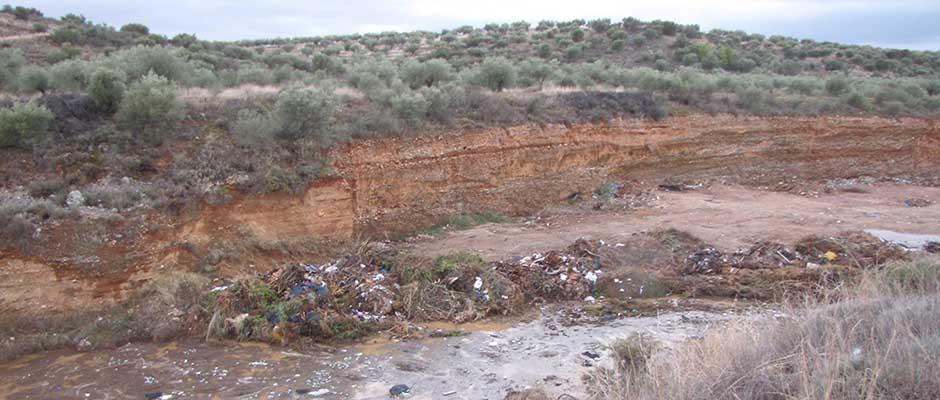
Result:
[[472, 361]]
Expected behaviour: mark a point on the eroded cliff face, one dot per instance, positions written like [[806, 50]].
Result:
[[392, 186], [402, 184], [386, 187]]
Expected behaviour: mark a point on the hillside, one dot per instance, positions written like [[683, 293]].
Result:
[[137, 121], [370, 215]]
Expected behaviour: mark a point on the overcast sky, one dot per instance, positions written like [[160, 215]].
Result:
[[913, 24]]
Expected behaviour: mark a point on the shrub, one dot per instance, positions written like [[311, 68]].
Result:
[[410, 107], [138, 61], [932, 87], [139, 29], [106, 87], [837, 86], [150, 107], [11, 60], [33, 79], [24, 125], [497, 74], [255, 74], [65, 52], [255, 129], [577, 35], [544, 50], [618, 45], [535, 72], [69, 75], [302, 112], [859, 101], [600, 25], [428, 73]]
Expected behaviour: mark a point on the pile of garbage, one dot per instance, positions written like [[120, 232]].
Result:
[[340, 299], [766, 254], [556, 275], [854, 249], [337, 299], [705, 260]]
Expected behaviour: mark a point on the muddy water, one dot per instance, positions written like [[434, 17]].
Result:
[[906, 240], [488, 360]]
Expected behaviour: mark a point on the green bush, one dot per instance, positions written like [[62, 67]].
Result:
[[138, 61], [577, 35], [150, 107], [410, 107], [33, 79], [428, 73], [859, 101], [600, 25], [302, 112], [136, 28], [11, 60], [932, 87], [535, 72], [837, 86], [497, 74], [24, 125], [106, 87], [254, 129], [69, 75], [619, 44], [255, 74], [65, 52]]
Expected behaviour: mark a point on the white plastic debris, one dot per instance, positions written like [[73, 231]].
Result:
[[590, 299], [478, 283], [563, 277], [591, 277]]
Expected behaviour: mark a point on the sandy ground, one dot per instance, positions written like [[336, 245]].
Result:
[[729, 217]]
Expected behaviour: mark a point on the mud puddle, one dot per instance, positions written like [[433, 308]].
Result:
[[906, 240], [484, 361]]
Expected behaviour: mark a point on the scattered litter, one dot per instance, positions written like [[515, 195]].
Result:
[[706, 260], [765, 254], [672, 187], [158, 396], [591, 277], [591, 354], [452, 392], [916, 202], [932, 247], [399, 390], [590, 299]]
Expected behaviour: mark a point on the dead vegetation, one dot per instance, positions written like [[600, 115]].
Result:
[[877, 339]]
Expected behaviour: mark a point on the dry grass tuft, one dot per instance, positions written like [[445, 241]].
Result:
[[880, 339]]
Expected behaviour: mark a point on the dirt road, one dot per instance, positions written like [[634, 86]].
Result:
[[729, 217]]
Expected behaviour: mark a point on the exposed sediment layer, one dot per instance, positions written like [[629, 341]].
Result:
[[385, 187]]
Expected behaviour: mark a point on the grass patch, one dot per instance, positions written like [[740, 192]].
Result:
[[464, 221]]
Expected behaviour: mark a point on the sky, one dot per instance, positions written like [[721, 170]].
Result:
[[910, 24]]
